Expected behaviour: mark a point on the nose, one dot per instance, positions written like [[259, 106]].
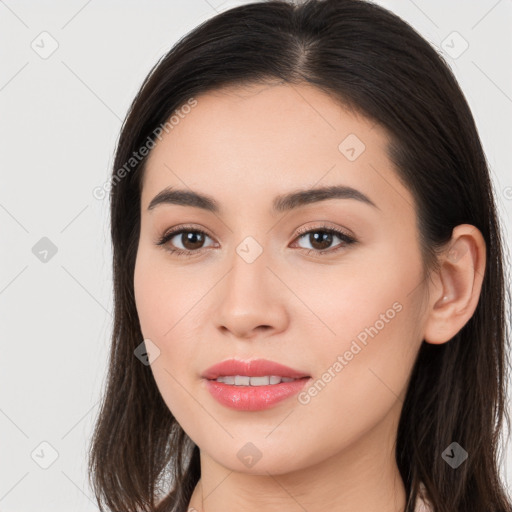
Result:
[[251, 300]]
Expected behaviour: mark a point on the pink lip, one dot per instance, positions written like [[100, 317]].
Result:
[[252, 368], [252, 398]]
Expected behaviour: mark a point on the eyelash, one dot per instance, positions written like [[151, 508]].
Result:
[[346, 239]]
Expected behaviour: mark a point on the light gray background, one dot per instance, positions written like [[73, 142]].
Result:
[[60, 119]]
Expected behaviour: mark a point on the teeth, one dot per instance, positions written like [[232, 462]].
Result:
[[243, 380]]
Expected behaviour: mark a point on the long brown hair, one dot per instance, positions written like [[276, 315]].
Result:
[[377, 65]]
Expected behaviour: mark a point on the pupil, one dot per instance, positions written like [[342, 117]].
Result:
[[194, 239], [324, 244]]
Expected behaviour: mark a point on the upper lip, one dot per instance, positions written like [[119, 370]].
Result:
[[252, 368]]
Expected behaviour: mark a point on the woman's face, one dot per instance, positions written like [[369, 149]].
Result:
[[350, 316]]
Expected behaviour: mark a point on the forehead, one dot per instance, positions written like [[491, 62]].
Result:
[[238, 142]]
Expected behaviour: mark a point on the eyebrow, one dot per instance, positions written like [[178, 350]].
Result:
[[281, 203]]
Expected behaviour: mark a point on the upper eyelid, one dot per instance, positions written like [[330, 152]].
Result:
[[300, 232], [324, 227]]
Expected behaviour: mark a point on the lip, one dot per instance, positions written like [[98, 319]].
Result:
[[252, 398], [252, 368]]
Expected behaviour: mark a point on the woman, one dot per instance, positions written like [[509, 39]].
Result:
[[308, 276]]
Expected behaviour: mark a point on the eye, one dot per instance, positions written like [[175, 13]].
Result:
[[326, 236], [190, 238], [193, 239]]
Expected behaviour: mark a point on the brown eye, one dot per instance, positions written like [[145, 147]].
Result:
[[321, 239], [191, 240], [321, 242]]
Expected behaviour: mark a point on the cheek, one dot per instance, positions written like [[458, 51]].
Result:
[[361, 379], [170, 310], [147, 290], [162, 311], [162, 296], [366, 298], [363, 369]]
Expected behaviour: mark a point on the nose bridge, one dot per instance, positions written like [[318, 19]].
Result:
[[248, 269], [249, 297]]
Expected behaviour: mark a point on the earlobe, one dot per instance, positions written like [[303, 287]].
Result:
[[453, 302]]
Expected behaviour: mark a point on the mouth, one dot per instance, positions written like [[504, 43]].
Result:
[[252, 385], [245, 380], [254, 370]]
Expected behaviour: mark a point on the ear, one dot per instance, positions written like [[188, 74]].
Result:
[[455, 290]]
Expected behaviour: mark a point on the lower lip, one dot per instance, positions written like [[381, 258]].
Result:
[[254, 398]]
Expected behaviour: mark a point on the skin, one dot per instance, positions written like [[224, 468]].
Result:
[[243, 146]]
